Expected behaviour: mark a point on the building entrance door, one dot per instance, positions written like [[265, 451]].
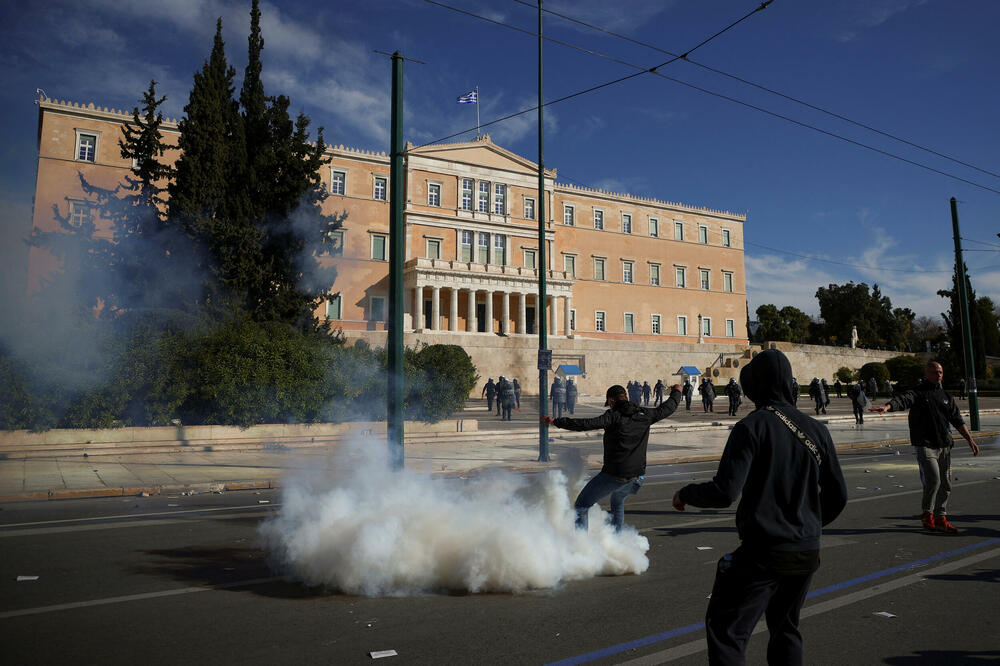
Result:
[[428, 311], [529, 314], [481, 317]]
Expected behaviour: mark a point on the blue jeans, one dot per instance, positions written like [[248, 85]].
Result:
[[600, 487]]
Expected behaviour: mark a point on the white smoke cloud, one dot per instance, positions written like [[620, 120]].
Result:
[[372, 531]]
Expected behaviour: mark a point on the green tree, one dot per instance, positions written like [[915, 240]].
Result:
[[798, 323], [982, 324], [202, 200], [845, 374], [876, 370], [844, 306], [772, 325], [905, 370]]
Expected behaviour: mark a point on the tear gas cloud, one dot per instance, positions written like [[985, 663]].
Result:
[[365, 529]]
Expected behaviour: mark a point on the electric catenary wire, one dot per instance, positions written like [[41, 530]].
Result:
[[761, 87], [645, 70], [653, 70]]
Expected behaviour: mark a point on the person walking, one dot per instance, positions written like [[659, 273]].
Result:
[[859, 401], [873, 387], [708, 395], [646, 391], [735, 395], [626, 437], [490, 391], [558, 394], [517, 392], [658, 392], [795, 392], [635, 392], [838, 387], [961, 388], [505, 398], [816, 393], [932, 410], [785, 465], [572, 392], [826, 393], [888, 388], [688, 390]]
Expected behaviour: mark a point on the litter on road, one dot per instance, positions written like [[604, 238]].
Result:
[[704, 548], [21, 578], [378, 654], [884, 614]]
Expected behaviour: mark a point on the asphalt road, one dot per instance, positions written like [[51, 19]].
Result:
[[168, 580]]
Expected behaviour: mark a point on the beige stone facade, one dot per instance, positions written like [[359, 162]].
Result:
[[625, 274]]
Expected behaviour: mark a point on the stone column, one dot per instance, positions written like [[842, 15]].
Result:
[[567, 301], [453, 309], [435, 308], [505, 313], [470, 319], [418, 308], [489, 311], [553, 316], [522, 312]]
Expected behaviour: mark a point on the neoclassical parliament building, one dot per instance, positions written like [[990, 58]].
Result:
[[636, 287]]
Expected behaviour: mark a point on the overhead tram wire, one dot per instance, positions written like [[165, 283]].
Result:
[[653, 70], [764, 88], [645, 70]]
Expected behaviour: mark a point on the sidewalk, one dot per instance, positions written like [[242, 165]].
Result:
[[687, 436]]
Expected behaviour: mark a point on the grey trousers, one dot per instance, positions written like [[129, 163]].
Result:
[[935, 475]]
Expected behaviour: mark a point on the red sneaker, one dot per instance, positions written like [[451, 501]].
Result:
[[941, 524], [927, 518]]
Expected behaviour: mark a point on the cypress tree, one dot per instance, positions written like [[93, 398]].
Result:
[[202, 198]]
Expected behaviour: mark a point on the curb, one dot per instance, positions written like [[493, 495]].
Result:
[[270, 484]]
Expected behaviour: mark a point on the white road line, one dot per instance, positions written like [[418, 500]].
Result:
[[63, 529], [693, 647], [125, 516], [134, 597], [730, 516]]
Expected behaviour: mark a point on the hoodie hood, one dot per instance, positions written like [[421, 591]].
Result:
[[768, 378]]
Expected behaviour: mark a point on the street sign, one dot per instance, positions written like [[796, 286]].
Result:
[[544, 359]]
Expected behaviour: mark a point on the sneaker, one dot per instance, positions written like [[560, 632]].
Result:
[[928, 520], [941, 524]]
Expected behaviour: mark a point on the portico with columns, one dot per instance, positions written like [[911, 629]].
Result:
[[483, 298]]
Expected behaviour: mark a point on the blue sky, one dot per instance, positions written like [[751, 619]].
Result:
[[925, 71]]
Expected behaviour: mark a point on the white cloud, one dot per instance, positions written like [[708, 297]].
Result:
[[622, 16]]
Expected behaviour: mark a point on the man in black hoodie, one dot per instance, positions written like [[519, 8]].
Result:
[[626, 436], [931, 411], [785, 465]]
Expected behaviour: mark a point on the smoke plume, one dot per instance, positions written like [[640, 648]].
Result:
[[371, 531]]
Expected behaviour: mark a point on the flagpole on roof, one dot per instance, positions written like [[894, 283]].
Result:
[[477, 112]]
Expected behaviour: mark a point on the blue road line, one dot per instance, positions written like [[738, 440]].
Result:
[[680, 631]]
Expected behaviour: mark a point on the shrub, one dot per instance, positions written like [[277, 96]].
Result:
[[876, 370], [906, 370], [444, 377], [845, 375]]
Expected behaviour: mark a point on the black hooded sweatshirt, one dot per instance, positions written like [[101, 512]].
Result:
[[787, 495], [626, 433]]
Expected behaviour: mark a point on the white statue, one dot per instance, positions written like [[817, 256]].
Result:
[[854, 337]]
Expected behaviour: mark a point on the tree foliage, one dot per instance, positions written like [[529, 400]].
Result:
[[983, 323], [787, 324], [876, 370], [905, 370], [845, 306]]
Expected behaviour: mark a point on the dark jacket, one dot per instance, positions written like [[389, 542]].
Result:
[[708, 391], [626, 433], [658, 389], [571, 392], [733, 391], [931, 411], [787, 495], [490, 389], [505, 392], [558, 392]]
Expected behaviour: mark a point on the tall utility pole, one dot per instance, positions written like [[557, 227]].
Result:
[[396, 251], [544, 358], [963, 299]]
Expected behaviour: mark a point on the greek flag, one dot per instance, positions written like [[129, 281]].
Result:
[[471, 97]]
